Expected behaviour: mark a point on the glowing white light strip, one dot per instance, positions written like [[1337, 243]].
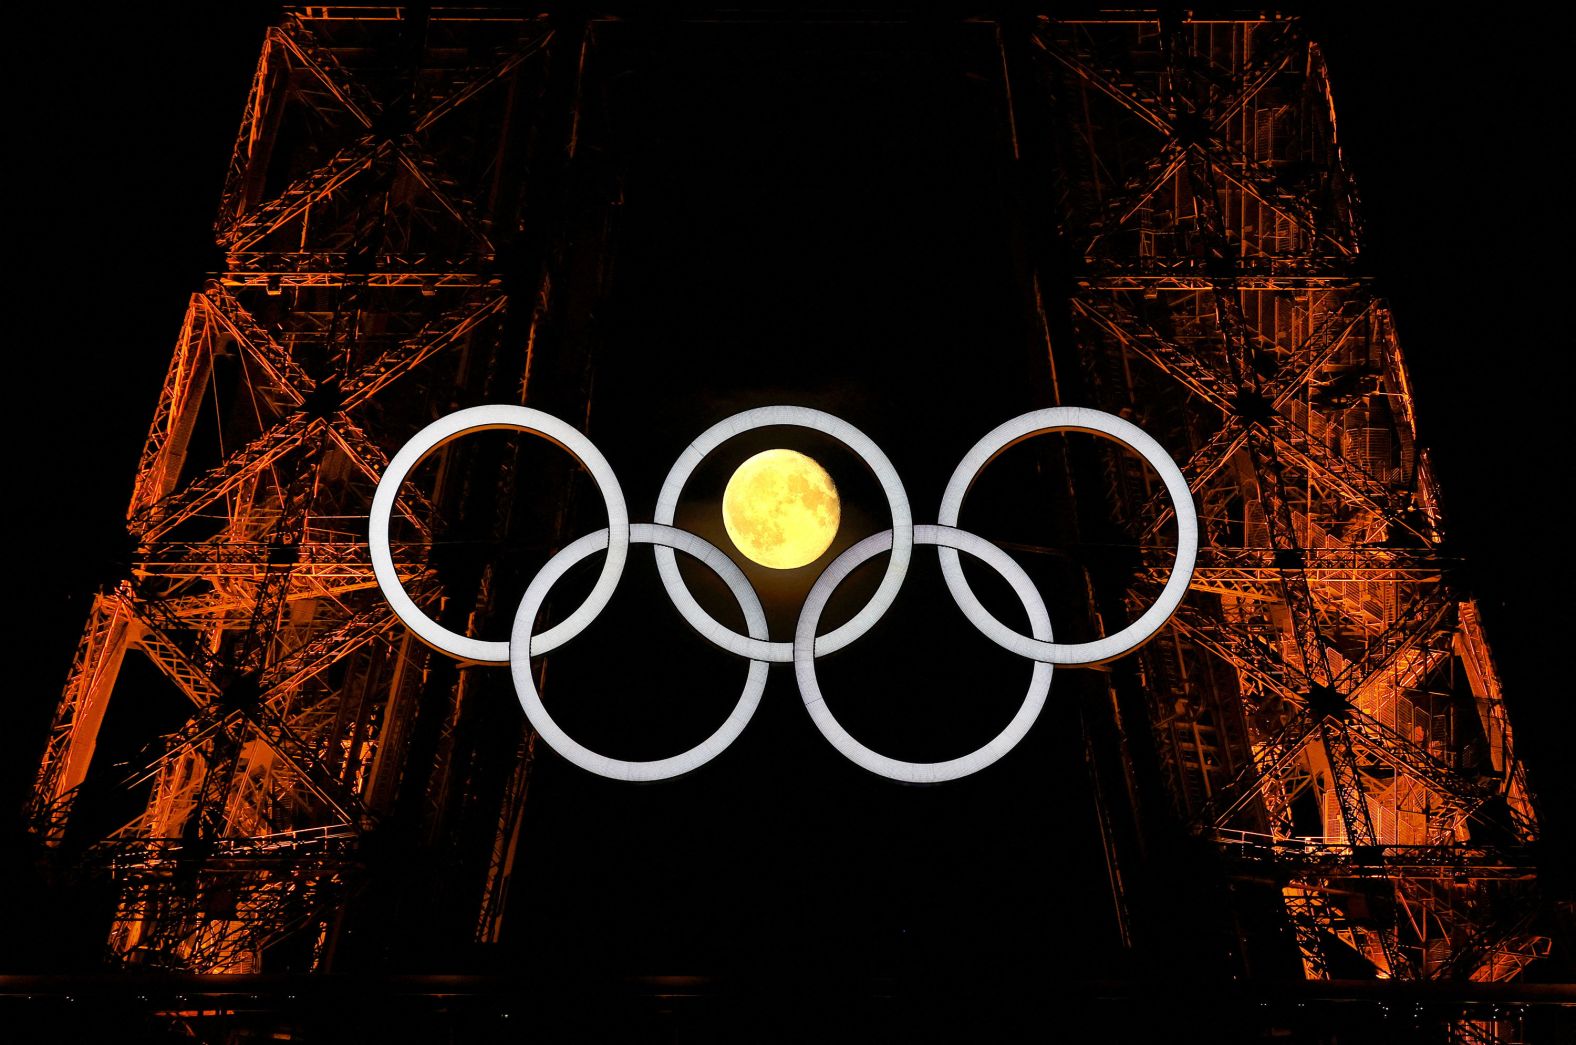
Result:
[[855, 440], [573, 750], [1073, 419], [840, 738], [476, 419]]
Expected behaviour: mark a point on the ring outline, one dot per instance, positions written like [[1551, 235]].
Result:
[[868, 758], [1096, 422], [464, 422], [827, 424], [625, 769]]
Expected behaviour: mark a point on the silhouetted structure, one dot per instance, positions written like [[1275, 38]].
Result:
[[420, 213]]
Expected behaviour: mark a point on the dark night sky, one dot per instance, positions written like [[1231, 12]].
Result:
[[1446, 126]]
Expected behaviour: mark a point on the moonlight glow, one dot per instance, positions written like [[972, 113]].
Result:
[[781, 509]]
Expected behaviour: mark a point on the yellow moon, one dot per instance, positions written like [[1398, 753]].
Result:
[[781, 509]]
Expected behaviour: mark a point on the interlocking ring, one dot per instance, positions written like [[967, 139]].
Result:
[[953, 540], [874, 459], [479, 419], [806, 646], [525, 686], [1072, 419]]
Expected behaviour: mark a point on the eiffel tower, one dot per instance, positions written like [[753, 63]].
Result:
[[423, 210]]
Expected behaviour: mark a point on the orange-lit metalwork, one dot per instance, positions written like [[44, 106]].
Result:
[[358, 286], [1356, 747], [1324, 710]]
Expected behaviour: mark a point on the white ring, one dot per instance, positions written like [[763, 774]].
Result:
[[895, 769], [1073, 419], [855, 440], [579, 754], [475, 419]]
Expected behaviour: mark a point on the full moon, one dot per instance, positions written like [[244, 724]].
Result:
[[781, 509]]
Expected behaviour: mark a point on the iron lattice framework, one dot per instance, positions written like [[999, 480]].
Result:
[[1324, 709], [368, 200], [1324, 706]]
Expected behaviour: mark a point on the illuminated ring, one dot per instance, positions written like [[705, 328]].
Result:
[[579, 754], [476, 419], [1073, 419], [849, 436], [892, 768]]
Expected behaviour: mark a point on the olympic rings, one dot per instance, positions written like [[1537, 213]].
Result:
[[806, 646]]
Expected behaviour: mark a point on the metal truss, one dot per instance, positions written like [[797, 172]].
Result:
[[1325, 706], [361, 282]]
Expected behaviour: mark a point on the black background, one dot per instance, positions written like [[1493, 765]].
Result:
[[125, 124]]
